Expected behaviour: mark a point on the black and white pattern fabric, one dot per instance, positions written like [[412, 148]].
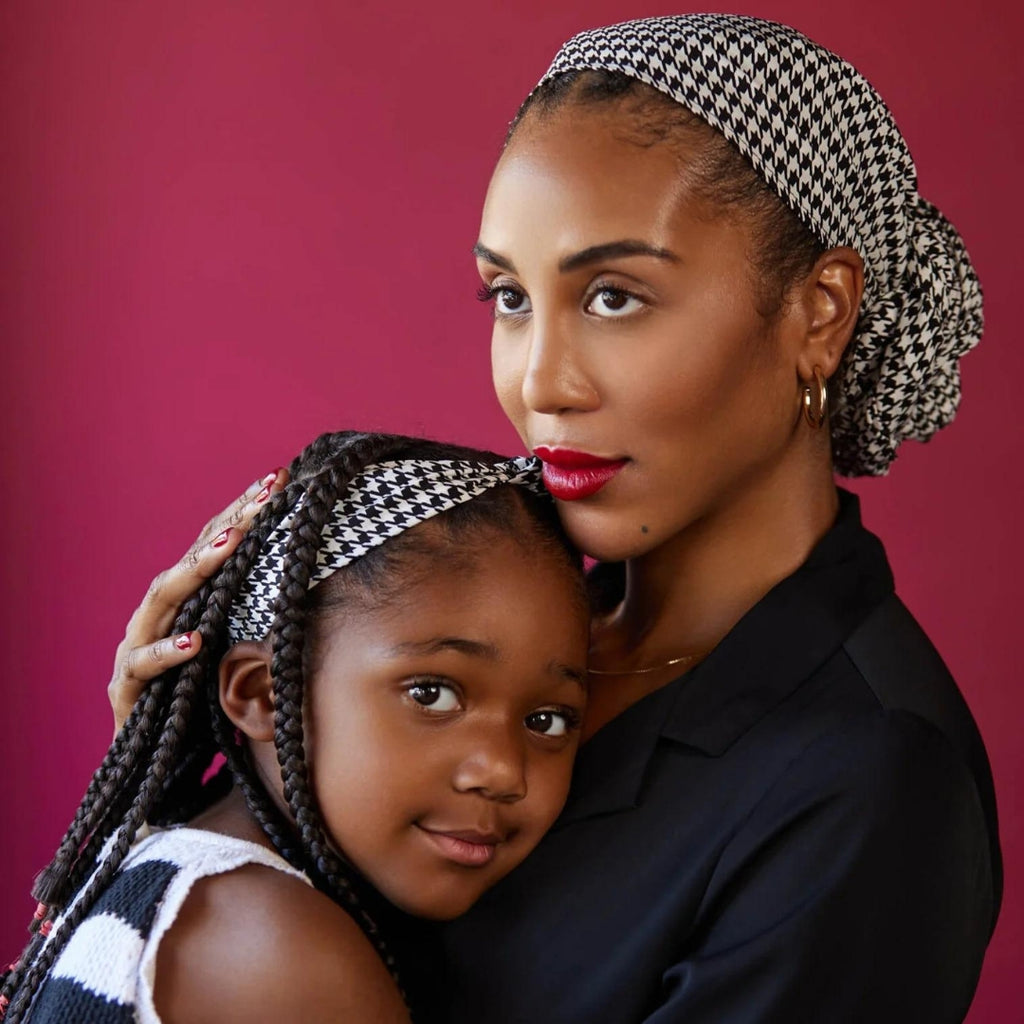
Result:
[[382, 502], [825, 141], [106, 974]]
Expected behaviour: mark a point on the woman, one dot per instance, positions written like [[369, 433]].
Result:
[[784, 811]]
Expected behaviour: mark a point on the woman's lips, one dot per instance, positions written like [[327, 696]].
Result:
[[470, 849], [570, 475]]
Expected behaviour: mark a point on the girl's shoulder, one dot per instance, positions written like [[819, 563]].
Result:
[[244, 935]]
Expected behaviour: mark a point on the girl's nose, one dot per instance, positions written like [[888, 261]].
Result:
[[493, 765], [554, 378]]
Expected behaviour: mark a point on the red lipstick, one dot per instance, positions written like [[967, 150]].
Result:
[[570, 475]]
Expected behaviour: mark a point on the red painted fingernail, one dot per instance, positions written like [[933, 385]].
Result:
[[184, 642], [262, 496], [270, 478], [220, 540]]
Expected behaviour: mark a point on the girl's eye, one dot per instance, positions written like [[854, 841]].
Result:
[[614, 302], [435, 696], [508, 301], [549, 722]]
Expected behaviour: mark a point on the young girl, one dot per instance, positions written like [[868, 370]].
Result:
[[391, 667]]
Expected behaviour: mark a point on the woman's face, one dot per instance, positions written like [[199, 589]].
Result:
[[628, 350]]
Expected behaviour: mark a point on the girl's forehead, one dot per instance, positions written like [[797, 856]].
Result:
[[514, 605], [451, 576]]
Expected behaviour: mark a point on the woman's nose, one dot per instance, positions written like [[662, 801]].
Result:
[[555, 379], [493, 764]]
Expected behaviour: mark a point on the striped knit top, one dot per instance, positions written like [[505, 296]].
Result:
[[107, 971]]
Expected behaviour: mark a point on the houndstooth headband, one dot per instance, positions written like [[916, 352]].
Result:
[[381, 502], [825, 141]]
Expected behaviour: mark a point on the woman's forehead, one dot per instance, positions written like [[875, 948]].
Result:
[[568, 186]]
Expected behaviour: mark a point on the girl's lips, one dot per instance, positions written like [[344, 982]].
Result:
[[459, 847], [570, 475]]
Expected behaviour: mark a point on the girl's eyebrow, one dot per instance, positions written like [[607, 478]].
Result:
[[578, 676], [593, 254], [437, 644], [474, 649]]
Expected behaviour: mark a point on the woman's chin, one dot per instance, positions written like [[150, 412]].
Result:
[[606, 534]]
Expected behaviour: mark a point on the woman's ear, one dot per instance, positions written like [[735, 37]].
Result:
[[247, 690], [831, 295]]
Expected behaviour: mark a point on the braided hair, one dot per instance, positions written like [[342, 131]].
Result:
[[159, 768]]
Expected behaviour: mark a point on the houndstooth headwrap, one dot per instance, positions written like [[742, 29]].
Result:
[[825, 141], [381, 502]]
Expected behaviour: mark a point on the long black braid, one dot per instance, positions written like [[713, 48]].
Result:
[[157, 770]]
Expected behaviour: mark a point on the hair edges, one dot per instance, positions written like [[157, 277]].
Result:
[[783, 247]]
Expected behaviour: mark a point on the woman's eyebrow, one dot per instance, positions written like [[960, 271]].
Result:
[[614, 250], [481, 252], [593, 254]]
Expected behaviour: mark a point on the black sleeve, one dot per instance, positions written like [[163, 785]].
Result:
[[859, 889]]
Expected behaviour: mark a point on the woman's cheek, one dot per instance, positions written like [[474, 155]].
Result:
[[506, 374]]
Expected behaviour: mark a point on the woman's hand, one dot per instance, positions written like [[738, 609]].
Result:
[[147, 650]]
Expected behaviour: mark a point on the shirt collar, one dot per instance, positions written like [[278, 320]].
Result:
[[788, 634], [610, 767]]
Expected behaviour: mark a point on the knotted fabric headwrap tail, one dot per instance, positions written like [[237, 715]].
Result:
[[825, 141], [383, 501]]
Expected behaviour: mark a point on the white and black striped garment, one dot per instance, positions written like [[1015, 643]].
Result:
[[107, 971]]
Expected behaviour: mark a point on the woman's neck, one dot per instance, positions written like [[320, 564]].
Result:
[[683, 597], [688, 593]]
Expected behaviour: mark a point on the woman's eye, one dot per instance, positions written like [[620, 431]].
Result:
[[550, 722], [613, 302], [508, 301], [435, 696]]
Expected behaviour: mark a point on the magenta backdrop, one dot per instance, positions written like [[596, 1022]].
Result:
[[228, 226]]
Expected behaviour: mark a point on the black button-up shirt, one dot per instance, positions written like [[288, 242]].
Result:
[[801, 829]]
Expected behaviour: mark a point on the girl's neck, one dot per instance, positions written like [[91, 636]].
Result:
[[230, 816]]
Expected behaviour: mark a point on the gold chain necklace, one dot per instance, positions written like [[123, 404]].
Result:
[[681, 660]]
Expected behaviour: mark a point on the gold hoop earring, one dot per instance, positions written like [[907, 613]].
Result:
[[816, 412]]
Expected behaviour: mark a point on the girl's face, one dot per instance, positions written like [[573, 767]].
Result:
[[628, 350], [442, 726]]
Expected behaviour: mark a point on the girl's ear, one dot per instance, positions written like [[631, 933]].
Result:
[[830, 298], [247, 690]]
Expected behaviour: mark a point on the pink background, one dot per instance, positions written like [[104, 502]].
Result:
[[229, 226]]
